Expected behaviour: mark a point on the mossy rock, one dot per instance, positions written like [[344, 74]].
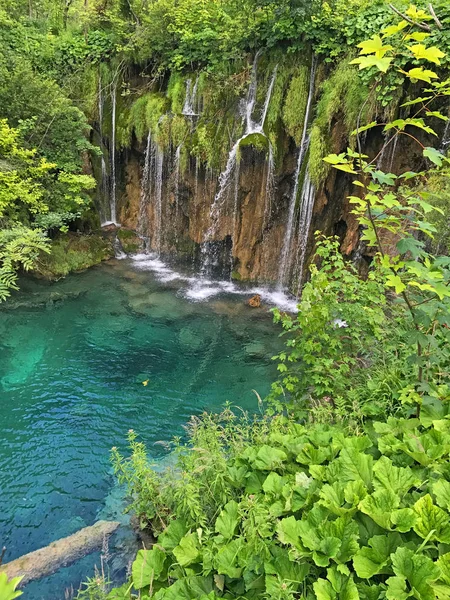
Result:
[[72, 253], [131, 242], [257, 140]]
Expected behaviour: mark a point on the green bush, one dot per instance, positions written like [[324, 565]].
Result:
[[276, 509]]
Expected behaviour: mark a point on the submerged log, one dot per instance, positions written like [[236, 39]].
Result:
[[61, 553]]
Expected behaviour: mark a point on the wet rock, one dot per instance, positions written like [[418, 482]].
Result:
[[255, 301]]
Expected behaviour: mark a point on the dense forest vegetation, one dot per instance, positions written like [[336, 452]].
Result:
[[339, 489]]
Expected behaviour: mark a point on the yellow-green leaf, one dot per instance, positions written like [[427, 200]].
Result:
[[395, 282], [374, 46], [422, 74], [432, 54], [393, 29], [418, 36], [364, 62]]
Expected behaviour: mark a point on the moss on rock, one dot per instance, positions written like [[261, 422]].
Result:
[[73, 252]]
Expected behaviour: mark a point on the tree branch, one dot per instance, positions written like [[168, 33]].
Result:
[[433, 14], [423, 26]]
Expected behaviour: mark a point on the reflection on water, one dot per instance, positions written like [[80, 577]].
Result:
[[73, 356]]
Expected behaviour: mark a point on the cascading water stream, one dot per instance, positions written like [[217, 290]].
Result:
[[145, 189], [104, 181], [190, 107], [113, 154], [304, 224], [270, 189], [159, 162], [285, 262], [252, 127], [176, 171], [151, 193]]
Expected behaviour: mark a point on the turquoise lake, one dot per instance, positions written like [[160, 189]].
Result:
[[73, 356]]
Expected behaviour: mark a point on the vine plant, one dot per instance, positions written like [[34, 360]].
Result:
[[391, 212]]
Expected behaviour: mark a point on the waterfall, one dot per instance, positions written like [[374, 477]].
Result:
[[100, 105], [251, 95], [304, 224], [118, 249], [113, 154], [145, 189], [104, 181], [151, 192], [234, 232], [176, 170], [251, 127], [190, 107], [159, 162], [270, 189], [285, 262]]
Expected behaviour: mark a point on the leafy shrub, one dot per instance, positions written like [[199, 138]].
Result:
[[343, 344], [276, 509]]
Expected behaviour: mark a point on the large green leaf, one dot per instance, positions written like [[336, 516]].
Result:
[[287, 570], [226, 561], [274, 484], [441, 489], [188, 588], [228, 520], [432, 522], [443, 562], [172, 534], [404, 519], [379, 506], [288, 531], [268, 458], [398, 480], [415, 574], [187, 550], [356, 466], [372, 560], [147, 567], [337, 586]]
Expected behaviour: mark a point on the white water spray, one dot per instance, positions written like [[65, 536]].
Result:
[[252, 127], [304, 224], [190, 107], [285, 261], [113, 155]]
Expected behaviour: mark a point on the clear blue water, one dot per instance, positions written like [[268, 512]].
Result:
[[73, 356]]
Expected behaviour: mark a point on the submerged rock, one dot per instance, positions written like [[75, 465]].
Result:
[[255, 301]]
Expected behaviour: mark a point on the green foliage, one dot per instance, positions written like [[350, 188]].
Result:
[[274, 509], [295, 104], [342, 343], [31, 193], [342, 95], [146, 114], [8, 589], [436, 190], [389, 208], [176, 92], [71, 253]]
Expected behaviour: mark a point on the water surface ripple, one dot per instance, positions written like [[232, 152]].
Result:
[[73, 359]]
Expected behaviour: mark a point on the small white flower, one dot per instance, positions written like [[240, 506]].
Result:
[[340, 323]]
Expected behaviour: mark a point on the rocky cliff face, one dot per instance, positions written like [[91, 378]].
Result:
[[249, 237], [236, 184]]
